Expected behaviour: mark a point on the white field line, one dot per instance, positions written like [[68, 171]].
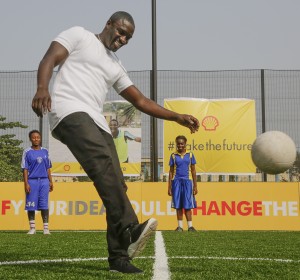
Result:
[[160, 266], [52, 261], [236, 259], [150, 257]]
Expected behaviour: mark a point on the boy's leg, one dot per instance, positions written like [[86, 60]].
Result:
[[31, 219], [44, 203], [32, 204], [179, 213], [177, 203], [189, 203], [188, 215], [45, 218]]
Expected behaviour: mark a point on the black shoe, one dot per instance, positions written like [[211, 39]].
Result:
[[192, 229], [135, 237], [179, 229], [123, 266]]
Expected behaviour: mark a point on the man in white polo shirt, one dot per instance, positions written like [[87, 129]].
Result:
[[88, 68]]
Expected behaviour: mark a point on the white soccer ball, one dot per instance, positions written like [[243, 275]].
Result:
[[273, 152]]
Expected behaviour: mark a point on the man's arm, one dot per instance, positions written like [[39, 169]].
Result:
[[56, 54], [149, 107]]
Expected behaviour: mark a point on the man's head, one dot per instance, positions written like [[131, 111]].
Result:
[[118, 31], [114, 126]]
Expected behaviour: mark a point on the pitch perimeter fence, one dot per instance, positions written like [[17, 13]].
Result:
[[276, 94]]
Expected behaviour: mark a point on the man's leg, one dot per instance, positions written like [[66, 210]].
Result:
[[94, 149]]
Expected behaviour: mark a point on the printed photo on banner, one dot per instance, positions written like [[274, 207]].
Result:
[[63, 161], [124, 121], [224, 140]]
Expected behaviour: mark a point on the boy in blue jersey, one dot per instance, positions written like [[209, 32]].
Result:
[[37, 180], [183, 183]]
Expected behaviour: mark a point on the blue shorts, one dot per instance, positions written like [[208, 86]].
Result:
[[38, 197], [182, 194]]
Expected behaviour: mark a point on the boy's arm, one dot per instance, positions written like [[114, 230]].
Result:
[[26, 184], [50, 180], [171, 173], [193, 171]]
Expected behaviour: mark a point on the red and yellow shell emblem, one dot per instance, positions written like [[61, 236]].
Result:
[[210, 123]]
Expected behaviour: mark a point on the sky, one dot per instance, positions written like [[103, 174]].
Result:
[[196, 35]]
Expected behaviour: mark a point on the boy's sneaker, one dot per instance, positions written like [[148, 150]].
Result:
[[31, 231], [179, 229], [46, 231], [123, 266], [136, 236], [192, 229]]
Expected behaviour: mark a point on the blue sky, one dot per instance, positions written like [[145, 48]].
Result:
[[191, 34]]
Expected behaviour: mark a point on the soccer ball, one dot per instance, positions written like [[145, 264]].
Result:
[[273, 152]]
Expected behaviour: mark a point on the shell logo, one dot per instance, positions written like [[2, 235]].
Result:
[[210, 123], [67, 167]]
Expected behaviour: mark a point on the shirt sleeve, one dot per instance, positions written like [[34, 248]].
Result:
[[193, 159], [171, 162], [71, 38], [122, 83], [129, 135], [24, 164], [49, 164]]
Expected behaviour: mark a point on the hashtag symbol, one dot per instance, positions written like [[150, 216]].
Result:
[[171, 145]]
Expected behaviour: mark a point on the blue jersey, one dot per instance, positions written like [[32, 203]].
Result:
[[37, 162], [182, 165]]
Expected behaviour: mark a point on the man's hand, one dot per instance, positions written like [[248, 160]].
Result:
[[189, 121], [41, 103]]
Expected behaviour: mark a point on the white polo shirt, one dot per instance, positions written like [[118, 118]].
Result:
[[85, 77]]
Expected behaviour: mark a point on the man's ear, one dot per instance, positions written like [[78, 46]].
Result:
[[109, 22]]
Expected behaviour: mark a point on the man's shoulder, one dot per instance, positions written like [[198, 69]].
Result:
[[76, 28], [72, 33]]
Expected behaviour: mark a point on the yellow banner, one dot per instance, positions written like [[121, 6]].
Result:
[[220, 206], [74, 168], [73, 206], [224, 140], [67, 168]]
